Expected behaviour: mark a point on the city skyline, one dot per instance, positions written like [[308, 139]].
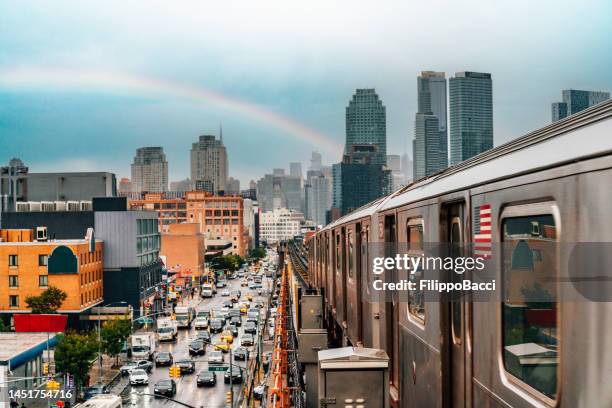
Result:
[[96, 118]]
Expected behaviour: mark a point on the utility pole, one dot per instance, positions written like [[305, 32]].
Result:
[[231, 373]]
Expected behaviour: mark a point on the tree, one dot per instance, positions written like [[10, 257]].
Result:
[[47, 302], [229, 262], [74, 354], [114, 334], [257, 253]]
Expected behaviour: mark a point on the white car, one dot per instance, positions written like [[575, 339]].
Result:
[[225, 293], [139, 377], [201, 323]]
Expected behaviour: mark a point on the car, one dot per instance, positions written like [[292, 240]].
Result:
[[215, 357], [236, 321], [205, 336], [216, 325], [196, 347], [236, 376], [244, 283], [166, 387], [164, 358], [228, 304], [267, 359], [259, 304], [252, 285], [247, 340], [206, 378], [250, 327], [186, 366], [259, 391], [200, 323], [132, 365], [233, 313], [249, 297], [241, 354], [95, 390], [222, 346], [225, 293], [243, 309], [233, 329], [221, 284], [273, 312], [139, 377], [227, 337]]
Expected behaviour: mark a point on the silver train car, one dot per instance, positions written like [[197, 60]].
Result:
[[551, 186]]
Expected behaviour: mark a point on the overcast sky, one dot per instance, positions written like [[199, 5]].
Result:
[[84, 83]]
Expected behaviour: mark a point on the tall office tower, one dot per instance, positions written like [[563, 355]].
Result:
[[278, 172], [181, 185], [317, 197], [150, 170], [233, 186], [252, 184], [366, 124], [295, 170], [315, 161], [209, 164], [575, 101], [471, 115]]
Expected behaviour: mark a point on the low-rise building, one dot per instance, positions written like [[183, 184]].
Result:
[[280, 224], [184, 249]]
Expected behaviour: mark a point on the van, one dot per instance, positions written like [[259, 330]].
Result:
[[102, 401]]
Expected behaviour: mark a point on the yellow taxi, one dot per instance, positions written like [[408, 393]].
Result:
[[249, 297], [227, 337], [244, 308], [222, 346]]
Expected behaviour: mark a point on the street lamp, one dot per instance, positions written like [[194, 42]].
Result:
[[123, 302]]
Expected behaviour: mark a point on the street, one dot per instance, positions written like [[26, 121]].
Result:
[[187, 389]]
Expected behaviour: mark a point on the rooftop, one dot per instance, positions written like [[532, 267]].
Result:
[[18, 345]]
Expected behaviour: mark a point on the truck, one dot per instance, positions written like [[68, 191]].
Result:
[[142, 346], [207, 290], [167, 329], [184, 316]]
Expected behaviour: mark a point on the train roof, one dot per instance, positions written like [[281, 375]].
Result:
[[584, 134]]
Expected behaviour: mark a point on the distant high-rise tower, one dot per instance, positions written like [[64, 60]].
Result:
[[430, 145], [232, 186], [575, 101], [366, 124], [471, 115], [295, 170], [209, 164], [315, 161], [150, 170]]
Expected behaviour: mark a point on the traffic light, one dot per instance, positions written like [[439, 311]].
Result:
[[175, 371], [45, 368], [60, 404]]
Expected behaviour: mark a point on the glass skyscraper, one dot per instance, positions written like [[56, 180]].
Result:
[[471, 115], [366, 124], [575, 100], [430, 145]]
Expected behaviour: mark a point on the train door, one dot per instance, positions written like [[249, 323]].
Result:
[[458, 321], [391, 306]]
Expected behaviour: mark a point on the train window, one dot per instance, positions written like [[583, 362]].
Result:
[[530, 338], [338, 254], [414, 234], [351, 244]]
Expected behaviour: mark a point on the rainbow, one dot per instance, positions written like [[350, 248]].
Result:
[[119, 81]]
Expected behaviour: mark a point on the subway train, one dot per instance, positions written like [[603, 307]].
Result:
[[550, 187]]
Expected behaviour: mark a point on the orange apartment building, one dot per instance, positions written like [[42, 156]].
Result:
[[219, 217], [28, 267], [184, 249]]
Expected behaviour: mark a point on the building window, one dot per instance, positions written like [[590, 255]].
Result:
[[530, 323], [13, 301], [42, 260], [43, 280], [13, 260], [13, 281]]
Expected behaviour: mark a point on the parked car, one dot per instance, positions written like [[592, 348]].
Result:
[[241, 354], [94, 390], [236, 374], [201, 323], [216, 357], [186, 366], [206, 378], [204, 336], [196, 347], [247, 340], [164, 358], [250, 327], [136, 364], [165, 387], [139, 377]]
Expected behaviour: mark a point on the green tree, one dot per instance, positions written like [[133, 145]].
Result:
[[257, 253], [47, 302], [229, 262], [75, 353], [114, 334], [3, 326]]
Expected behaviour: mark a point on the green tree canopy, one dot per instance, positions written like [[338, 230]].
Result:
[[75, 354], [114, 333], [257, 253], [229, 262], [47, 302]]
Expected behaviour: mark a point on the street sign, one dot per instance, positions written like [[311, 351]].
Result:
[[217, 368]]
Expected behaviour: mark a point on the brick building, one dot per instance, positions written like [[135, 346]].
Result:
[[184, 249]]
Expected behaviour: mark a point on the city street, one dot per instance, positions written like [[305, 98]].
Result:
[[187, 389]]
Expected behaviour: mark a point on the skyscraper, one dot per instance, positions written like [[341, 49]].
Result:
[[315, 161], [295, 169], [575, 101], [318, 198], [366, 124], [232, 186], [150, 170], [209, 164], [430, 144], [471, 115]]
